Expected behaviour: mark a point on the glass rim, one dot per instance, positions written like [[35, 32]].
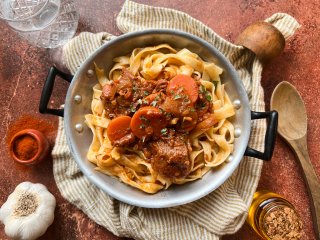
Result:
[[26, 18]]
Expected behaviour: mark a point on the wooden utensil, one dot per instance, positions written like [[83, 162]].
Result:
[[262, 38], [293, 128]]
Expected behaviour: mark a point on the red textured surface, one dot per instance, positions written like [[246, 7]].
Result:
[[23, 69]]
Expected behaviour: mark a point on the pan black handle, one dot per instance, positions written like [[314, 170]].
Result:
[[270, 138], [47, 91]]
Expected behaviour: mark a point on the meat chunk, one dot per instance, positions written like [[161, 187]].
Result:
[[188, 122], [125, 84], [180, 108], [108, 91], [171, 158], [143, 88], [125, 141], [203, 106], [161, 85], [117, 95]]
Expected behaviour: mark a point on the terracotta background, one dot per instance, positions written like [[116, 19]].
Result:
[[23, 69]]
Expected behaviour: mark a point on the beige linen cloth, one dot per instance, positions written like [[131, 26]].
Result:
[[221, 212]]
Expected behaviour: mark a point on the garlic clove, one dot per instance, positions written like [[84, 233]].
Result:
[[14, 228], [5, 212], [6, 209]]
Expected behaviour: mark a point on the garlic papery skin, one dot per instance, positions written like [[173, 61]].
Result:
[[28, 211]]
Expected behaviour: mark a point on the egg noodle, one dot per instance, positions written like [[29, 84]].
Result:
[[210, 148]]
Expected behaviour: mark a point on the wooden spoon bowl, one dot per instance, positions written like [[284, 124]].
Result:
[[293, 118]]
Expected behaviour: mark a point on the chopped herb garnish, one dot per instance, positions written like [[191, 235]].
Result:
[[168, 115], [144, 119], [145, 101], [200, 104], [176, 97], [133, 109], [203, 107], [202, 89], [164, 131], [154, 103], [157, 98], [146, 93], [208, 96], [172, 92], [192, 110], [134, 88]]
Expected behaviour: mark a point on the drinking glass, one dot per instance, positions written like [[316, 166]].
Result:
[[44, 23]]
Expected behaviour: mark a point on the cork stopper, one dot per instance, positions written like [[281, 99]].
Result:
[[262, 38]]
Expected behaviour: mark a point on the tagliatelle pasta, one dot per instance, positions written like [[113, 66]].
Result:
[[208, 147]]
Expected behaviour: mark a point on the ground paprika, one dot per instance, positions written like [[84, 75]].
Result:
[[25, 147], [29, 121]]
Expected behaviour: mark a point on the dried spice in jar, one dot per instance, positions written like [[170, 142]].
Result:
[[282, 223], [29, 147], [33, 122], [273, 217], [25, 147], [29, 138]]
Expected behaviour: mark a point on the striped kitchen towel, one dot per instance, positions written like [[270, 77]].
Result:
[[221, 212]]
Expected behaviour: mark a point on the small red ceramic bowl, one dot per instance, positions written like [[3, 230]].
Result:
[[37, 139]]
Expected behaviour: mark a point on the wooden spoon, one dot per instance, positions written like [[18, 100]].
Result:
[[293, 128]]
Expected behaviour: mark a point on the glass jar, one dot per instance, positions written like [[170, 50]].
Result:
[[274, 217]]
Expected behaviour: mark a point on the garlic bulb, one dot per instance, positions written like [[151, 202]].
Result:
[[28, 211]]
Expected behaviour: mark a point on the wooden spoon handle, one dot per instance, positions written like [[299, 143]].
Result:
[[312, 182]]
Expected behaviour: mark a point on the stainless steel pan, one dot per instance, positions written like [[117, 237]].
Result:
[[79, 136]]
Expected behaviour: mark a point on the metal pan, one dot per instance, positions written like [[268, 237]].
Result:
[[79, 136]]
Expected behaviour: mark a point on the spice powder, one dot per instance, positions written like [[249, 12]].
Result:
[[45, 126], [25, 147]]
